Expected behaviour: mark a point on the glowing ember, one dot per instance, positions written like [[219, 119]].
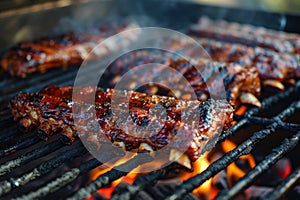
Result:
[[283, 167]]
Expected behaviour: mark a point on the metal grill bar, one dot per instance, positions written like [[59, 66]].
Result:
[[282, 125], [54, 185], [141, 183], [26, 142], [45, 167], [144, 181], [110, 176], [231, 156], [8, 134], [284, 186], [32, 155], [270, 160]]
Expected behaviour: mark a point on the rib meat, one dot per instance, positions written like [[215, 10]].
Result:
[[236, 80], [247, 34], [54, 52], [271, 65], [50, 111]]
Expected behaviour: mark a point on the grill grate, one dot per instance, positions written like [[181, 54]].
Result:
[[247, 145], [71, 175], [107, 178], [20, 145], [16, 150], [263, 166], [145, 181], [60, 183], [30, 156], [45, 167]]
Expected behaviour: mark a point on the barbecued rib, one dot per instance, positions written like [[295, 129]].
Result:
[[247, 34], [50, 111], [270, 65], [273, 67], [238, 82], [54, 52]]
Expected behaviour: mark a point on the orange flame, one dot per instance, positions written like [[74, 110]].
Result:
[[107, 191], [233, 171], [129, 178], [206, 191], [241, 110]]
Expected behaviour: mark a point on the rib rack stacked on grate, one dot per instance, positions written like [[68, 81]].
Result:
[[50, 111]]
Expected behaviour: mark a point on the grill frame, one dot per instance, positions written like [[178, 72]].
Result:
[[10, 86]]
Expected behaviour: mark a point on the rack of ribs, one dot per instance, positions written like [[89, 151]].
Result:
[[50, 111]]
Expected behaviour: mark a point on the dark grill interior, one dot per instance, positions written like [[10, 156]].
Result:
[[31, 168]]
